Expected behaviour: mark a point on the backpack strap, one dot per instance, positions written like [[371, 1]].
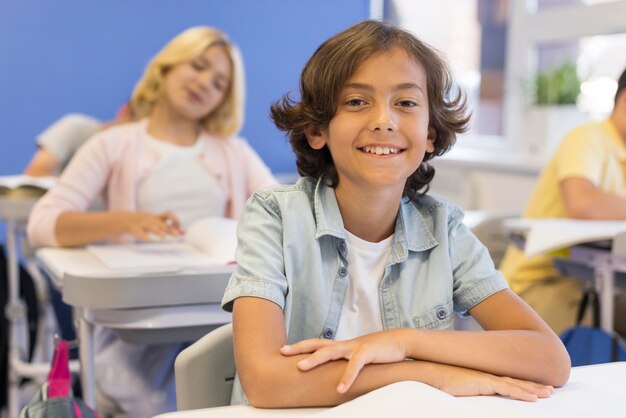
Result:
[[614, 349], [589, 297], [59, 378]]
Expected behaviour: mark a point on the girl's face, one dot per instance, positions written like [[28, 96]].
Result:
[[196, 88], [380, 131]]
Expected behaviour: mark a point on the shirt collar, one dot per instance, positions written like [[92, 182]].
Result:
[[327, 214], [412, 231], [414, 226]]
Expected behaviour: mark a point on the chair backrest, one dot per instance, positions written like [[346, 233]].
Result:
[[488, 228], [205, 371]]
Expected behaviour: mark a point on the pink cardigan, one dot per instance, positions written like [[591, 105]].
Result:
[[117, 159]]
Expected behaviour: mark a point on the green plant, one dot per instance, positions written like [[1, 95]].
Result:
[[557, 86]]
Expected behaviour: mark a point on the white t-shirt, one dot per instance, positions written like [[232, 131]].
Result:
[[360, 313], [179, 183]]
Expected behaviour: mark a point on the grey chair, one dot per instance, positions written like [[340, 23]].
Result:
[[205, 371], [488, 227]]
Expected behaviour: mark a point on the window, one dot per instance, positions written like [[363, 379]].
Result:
[[472, 34], [497, 46]]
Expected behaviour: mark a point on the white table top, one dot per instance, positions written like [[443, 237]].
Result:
[[152, 307], [592, 391], [87, 283], [16, 207]]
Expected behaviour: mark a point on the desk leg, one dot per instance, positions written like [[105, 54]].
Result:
[[87, 367], [15, 312], [605, 283]]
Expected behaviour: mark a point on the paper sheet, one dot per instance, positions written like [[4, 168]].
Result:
[[552, 234], [208, 242]]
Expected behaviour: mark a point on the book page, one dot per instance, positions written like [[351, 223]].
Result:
[[152, 256], [14, 182], [577, 399], [407, 399], [214, 236], [209, 242], [553, 234]]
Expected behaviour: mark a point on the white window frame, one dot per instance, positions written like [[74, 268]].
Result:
[[528, 29]]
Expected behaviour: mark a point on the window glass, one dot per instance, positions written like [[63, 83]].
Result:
[[475, 35], [474, 40], [599, 62], [539, 5]]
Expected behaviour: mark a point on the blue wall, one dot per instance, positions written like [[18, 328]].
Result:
[[85, 56]]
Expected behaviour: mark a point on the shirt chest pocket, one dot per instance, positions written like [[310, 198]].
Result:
[[440, 317]]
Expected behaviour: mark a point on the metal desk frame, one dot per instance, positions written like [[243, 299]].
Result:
[[149, 308], [14, 211]]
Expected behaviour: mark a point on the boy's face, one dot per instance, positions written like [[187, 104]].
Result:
[[380, 131]]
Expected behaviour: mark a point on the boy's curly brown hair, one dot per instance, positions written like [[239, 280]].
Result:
[[327, 71]]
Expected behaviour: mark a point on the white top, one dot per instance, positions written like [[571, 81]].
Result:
[[592, 391], [360, 313], [180, 183]]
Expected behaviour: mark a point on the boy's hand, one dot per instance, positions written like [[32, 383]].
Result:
[[378, 347], [387, 347], [459, 381]]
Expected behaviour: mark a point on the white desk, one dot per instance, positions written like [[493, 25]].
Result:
[[603, 259], [15, 208], [146, 308], [592, 391]]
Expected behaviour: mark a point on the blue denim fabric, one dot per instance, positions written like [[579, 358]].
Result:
[[292, 251]]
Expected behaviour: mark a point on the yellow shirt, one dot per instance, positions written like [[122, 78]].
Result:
[[594, 152]]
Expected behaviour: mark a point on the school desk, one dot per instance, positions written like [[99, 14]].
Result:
[[592, 251], [592, 391], [14, 210], [155, 307]]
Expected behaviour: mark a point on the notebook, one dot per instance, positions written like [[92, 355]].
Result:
[[545, 235], [577, 399], [207, 243], [20, 184]]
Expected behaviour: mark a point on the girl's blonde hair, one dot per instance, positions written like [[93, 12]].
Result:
[[227, 118]]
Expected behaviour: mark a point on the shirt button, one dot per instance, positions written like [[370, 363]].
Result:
[[342, 247], [441, 313], [328, 333], [343, 272]]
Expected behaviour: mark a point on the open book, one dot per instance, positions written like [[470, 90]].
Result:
[[209, 242], [580, 398], [546, 235], [29, 185]]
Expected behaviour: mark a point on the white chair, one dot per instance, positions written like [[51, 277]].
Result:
[[205, 371], [488, 228]]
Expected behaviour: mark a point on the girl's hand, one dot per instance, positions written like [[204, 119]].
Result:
[[142, 224], [459, 381], [378, 347]]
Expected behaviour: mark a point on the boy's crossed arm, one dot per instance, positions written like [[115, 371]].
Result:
[[451, 361]]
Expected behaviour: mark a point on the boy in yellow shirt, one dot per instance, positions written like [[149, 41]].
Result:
[[584, 179]]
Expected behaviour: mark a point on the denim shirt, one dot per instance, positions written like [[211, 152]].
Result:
[[292, 251]]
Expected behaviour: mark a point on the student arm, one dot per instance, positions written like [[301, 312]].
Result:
[[583, 200], [272, 380], [516, 344], [60, 218], [80, 228], [42, 164]]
